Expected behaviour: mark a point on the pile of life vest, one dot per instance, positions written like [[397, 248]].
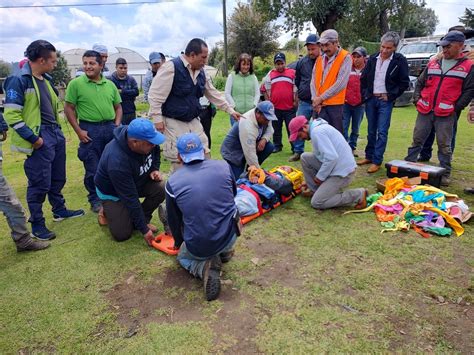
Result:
[[261, 191], [423, 208]]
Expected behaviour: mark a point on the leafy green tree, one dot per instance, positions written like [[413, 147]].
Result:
[[291, 45], [250, 31], [5, 69], [468, 18], [322, 13], [61, 74], [216, 56]]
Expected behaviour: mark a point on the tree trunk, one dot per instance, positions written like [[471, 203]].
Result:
[[383, 22]]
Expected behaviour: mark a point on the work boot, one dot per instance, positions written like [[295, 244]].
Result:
[[65, 214], [41, 232], [32, 245], [211, 278], [363, 201], [373, 168], [295, 157], [225, 257], [445, 180], [364, 162]]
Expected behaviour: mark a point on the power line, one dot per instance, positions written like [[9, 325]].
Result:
[[78, 5]]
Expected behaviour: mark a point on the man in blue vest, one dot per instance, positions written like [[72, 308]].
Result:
[[174, 98]]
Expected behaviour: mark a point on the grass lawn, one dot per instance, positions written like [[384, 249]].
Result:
[[302, 281]]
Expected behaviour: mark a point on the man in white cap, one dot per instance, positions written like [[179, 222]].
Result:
[[104, 54], [330, 77]]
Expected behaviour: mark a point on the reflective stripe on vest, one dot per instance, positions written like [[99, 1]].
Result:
[[441, 91], [330, 79]]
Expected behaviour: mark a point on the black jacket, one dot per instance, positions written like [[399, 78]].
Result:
[[123, 173], [304, 71], [396, 80]]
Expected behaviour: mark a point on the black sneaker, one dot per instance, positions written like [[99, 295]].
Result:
[[423, 160], [65, 214], [42, 233], [277, 149], [34, 245], [469, 190], [211, 279], [225, 257]]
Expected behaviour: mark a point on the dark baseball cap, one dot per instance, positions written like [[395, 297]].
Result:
[[360, 51], [312, 39], [280, 56], [452, 36]]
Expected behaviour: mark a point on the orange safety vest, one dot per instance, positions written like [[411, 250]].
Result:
[[331, 77]]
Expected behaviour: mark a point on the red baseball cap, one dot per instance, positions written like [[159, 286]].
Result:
[[295, 126]]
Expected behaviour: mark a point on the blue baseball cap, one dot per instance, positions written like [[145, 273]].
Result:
[[312, 39], [280, 56], [190, 147], [267, 109], [143, 129], [154, 57], [452, 36]]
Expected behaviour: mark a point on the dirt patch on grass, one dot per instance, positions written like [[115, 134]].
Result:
[[275, 263], [177, 297]]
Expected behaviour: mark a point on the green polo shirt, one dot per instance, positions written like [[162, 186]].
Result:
[[94, 101]]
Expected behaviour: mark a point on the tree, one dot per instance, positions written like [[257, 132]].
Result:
[[468, 18], [322, 13], [5, 69], [61, 74], [251, 32], [291, 45], [216, 56]]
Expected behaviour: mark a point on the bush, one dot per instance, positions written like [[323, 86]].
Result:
[[219, 82]]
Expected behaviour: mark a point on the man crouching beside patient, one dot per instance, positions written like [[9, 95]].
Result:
[[202, 213], [329, 168]]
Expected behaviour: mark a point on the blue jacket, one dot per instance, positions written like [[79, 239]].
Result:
[[200, 206], [123, 173], [129, 91], [331, 149], [396, 80], [183, 101]]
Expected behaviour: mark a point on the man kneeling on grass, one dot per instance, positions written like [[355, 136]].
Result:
[[329, 168], [202, 213], [129, 169]]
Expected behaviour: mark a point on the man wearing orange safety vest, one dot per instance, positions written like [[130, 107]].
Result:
[[330, 76]]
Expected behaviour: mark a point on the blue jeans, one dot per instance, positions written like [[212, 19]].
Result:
[[379, 114], [237, 170], [89, 153], [195, 264], [45, 169], [304, 109], [354, 114]]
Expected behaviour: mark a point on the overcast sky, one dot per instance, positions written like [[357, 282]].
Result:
[[164, 27]]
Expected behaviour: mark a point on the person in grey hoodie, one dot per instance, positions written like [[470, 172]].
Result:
[[329, 168]]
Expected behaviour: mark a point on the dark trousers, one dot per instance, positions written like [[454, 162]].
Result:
[[427, 150], [237, 170], [444, 134], [283, 116], [205, 117], [128, 117], [90, 153], [118, 218], [45, 169], [333, 114]]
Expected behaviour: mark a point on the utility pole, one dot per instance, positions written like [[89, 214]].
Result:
[[225, 37]]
